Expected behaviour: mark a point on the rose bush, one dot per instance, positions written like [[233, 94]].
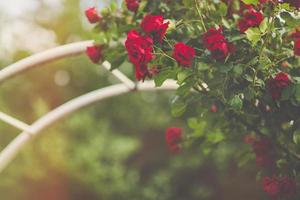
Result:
[[237, 66]]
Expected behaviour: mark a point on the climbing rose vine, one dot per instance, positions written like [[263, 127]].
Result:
[[237, 66]]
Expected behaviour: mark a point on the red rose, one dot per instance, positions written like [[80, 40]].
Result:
[[139, 50], [277, 187], [141, 71], [94, 53], [297, 48], [154, 25], [288, 187], [173, 138], [220, 50], [139, 47], [184, 54], [216, 43], [213, 36], [132, 5], [251, 18], [271, 186], [277, 84], [92, 15]]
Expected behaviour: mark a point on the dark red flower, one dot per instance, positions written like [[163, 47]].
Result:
[[139, 50], [132, 5], [139, 47], [213, 36], [154, 25], [271, 186], [184, 54], [220, 50], [92, 15], [173, 138], [297, 48], [277, 84], [288, 187], [279, 187], [216, 43], [94, 53], [251, 18]]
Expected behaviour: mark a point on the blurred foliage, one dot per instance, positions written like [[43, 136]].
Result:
[[114, 149]]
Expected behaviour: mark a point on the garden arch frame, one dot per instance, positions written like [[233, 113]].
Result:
[[57, 114]]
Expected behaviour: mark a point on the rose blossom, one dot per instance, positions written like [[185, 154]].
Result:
[[251, 18], [139, 50], [216, 43], [94, 53], [92, 15], [154, 25], [184, 54], [132, 5], [271, 186], [277, 84], [279, 187], [173, 138]]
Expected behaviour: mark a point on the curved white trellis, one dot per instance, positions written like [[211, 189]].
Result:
[[28, 131]]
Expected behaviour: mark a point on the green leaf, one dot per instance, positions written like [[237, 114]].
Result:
[[223, 9], [297, 92], [178, 107], [236, 102], [296, 137], [181, 76], [254, 2], [193, 123], [264, 25], [224, 68], [253, 35], [160, 78]]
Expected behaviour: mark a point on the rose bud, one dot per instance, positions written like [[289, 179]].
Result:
[[94, 53], [92, 15]]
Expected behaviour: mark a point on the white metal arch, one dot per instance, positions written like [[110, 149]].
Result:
[[28, 131]]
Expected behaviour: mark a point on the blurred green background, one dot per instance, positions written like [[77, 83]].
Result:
[[113, 150]]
